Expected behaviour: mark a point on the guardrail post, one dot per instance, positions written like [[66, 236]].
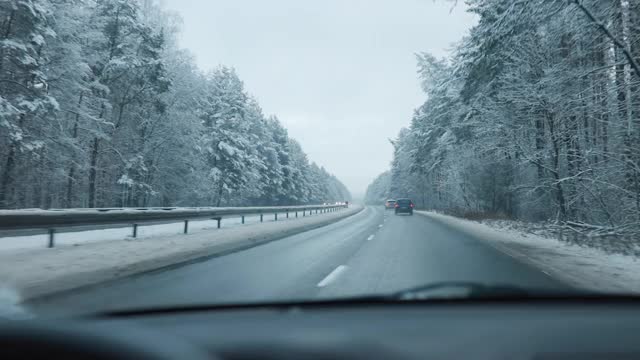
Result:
[[287, 214], [243, 219], [135, 230], [275, 217], [296, 214], [260, 217], [303, 214], [51, 236], [186, 226], [219, 220]]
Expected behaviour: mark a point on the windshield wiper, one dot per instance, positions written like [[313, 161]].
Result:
[[461, 290], [432, 293], [436, 292]]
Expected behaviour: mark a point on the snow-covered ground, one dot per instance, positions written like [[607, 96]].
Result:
[[584, 267], [28, 273]]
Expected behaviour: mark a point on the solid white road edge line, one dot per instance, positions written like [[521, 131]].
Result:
[[332, 276], [370, 237]]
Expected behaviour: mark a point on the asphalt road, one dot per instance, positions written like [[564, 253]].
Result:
[[372, 252]]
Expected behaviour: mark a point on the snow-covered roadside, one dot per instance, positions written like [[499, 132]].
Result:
[[588, 268], [39, 272]]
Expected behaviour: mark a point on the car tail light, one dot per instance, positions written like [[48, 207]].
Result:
[[411, 205], [397, 205]]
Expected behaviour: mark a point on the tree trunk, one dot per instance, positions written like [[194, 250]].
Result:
[[555, 159], [539, 122], [5, 35], [634, 50], [6, 176], [623, 92], [72, 167], [572, 145], [8, 169], [70, 176], [93, 170], [95, 150], [220, 190]]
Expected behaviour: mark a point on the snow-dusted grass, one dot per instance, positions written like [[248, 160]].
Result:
[[584, 267], [31, 273]]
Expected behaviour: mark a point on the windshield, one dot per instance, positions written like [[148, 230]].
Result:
[[170, 153]]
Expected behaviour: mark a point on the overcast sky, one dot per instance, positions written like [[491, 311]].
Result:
[[340, 74]]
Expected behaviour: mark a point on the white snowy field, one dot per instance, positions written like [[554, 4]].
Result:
[[30, 242], [584, 267]]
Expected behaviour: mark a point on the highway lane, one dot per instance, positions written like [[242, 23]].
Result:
[[372, 252]]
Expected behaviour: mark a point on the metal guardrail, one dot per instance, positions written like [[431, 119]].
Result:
[[18, 222]]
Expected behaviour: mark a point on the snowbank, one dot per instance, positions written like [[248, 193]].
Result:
[[588, 268], [39, 272]]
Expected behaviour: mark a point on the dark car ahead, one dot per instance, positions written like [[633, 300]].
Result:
[[404, 206]]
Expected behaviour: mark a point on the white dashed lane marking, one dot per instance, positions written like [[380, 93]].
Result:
[[332, 276]]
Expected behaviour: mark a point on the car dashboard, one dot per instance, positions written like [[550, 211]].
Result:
[[441, 330]]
